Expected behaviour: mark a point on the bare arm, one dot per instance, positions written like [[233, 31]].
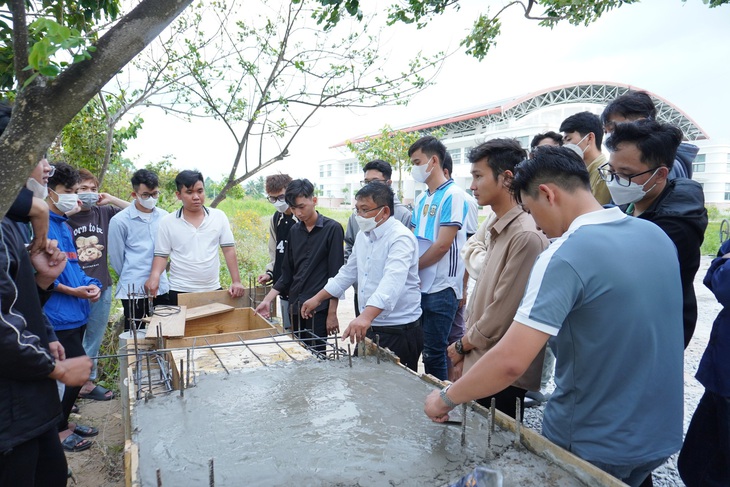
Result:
[[158, 267], [229, 253]]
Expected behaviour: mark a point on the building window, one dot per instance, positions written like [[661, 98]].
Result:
[[698, 167], [727, 191], [728, 163], [350, 168], [329, 170], [699, 158], [455, 155], [321, 171]]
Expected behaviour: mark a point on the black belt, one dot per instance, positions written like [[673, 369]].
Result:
[[396, 329]]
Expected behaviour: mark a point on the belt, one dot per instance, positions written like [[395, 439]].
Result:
[[396, 329]]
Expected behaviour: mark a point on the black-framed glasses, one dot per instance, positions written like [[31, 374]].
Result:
[[274, 199], [154, 194], [608, 175], [365, 182], [362, 212]]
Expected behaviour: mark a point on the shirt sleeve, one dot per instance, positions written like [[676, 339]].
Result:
[[453, 210], [287, 265], [474, 252], [226, 237], [163, 245], [116, 241], [545, 307], [496, 319], [346, 276], [400, 255]]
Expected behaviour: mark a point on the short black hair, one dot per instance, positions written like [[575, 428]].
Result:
[[146, 177], [6, 112], [558, 165], [632, 105], [188, 178], [431, 146], [64, 175], [547, 135], [298, 188], [584, 123], [657, 142], [380, 166], [382, 195], [448, 164], [501, 155]]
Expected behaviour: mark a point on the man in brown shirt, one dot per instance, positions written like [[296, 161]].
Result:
[[513, 245]]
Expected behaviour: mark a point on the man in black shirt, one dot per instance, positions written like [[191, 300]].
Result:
[[281, 222], [314, 254]]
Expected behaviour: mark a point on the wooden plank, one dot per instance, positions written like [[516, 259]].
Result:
[[193, 300], [206, 310], [200, 341], [172, 325], [239, 319]]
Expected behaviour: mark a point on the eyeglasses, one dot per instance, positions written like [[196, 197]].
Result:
[[274, 199], [608, 175], [365, 182], [154, 194], [363, 211]]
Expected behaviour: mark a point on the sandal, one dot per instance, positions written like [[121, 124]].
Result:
[[75, 409], [74, 443], [85, 431], [98, 393]]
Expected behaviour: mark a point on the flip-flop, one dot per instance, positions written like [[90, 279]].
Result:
[[85, 431], [98, 393], [74, 443]]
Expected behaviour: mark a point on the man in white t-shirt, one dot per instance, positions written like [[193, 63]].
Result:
[[190, 237]]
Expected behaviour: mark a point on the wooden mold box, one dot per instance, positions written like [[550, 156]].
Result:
[[229, 326]]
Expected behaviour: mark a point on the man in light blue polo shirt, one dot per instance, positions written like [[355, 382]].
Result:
[[607, 293], [131, 239]]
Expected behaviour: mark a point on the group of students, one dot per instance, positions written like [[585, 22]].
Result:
[[609, 288]]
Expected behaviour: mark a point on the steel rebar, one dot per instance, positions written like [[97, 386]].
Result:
[[518, 421], [216, 356], [463, 424]]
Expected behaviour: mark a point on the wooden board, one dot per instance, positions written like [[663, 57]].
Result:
[[234, 337], [206, 310], [172, 325], [239, 319], [250, 296]]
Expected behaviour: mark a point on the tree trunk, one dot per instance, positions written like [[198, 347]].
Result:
[[43, 108]]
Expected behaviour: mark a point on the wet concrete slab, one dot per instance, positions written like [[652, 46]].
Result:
[[319, 423]]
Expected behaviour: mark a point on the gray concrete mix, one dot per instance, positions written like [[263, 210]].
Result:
[[319, 424]]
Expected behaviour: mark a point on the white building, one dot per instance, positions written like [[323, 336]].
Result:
[[523, 117]]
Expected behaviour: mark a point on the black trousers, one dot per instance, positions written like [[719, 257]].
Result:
[[37, 462], [72, 341], [313, 331], [406, 341], [139, 308], [505, 401]]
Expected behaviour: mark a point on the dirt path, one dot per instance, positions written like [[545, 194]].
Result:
[[102, 465]]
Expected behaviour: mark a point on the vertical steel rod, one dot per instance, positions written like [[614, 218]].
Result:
[[377, 345], [349, 354], [187, 373], [211, 473], [182, 379], [159, 478], [518, 421], [149, 376], [463, 424]]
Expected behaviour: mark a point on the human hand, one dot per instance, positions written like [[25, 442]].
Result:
[[105, 199], [72, 371], [333, 324], [39, 222], [264, 278], [357, 329], [48, 262], [264, 309], [456, 371], [462, 301], [57, 350], [90, 292], [309, 306], [454, 356], [435, 408], [236, 290], [152, 284]]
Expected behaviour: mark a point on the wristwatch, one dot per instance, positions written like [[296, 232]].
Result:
[[445, 398], [460, 347]]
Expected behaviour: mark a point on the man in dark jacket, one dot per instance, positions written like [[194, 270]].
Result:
[[642, 155]]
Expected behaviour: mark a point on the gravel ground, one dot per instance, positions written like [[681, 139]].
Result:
[[708, 308]]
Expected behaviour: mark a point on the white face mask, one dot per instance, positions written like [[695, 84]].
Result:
[[367, 224], [576, 147], [149, 203], [88, 199], [623, 195], [281, 206], [66, 202], [39, 190], [419, 173]]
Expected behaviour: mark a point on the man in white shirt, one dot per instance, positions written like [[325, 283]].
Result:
[[190, 237], [384, 263]]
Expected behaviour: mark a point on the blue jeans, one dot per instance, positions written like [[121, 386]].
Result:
[[632, 475], [95, 328], [705, 456], [439, 310]]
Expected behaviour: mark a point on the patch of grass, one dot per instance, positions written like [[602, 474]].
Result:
[[107, 374]]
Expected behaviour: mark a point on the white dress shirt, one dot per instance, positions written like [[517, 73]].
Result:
[[385, 264]]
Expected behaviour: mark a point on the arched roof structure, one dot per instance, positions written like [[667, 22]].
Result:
[[498, 113]]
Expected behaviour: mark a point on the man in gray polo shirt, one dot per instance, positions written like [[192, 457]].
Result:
[[607, 293]]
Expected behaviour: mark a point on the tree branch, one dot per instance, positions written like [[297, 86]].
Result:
[[20, 42]]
